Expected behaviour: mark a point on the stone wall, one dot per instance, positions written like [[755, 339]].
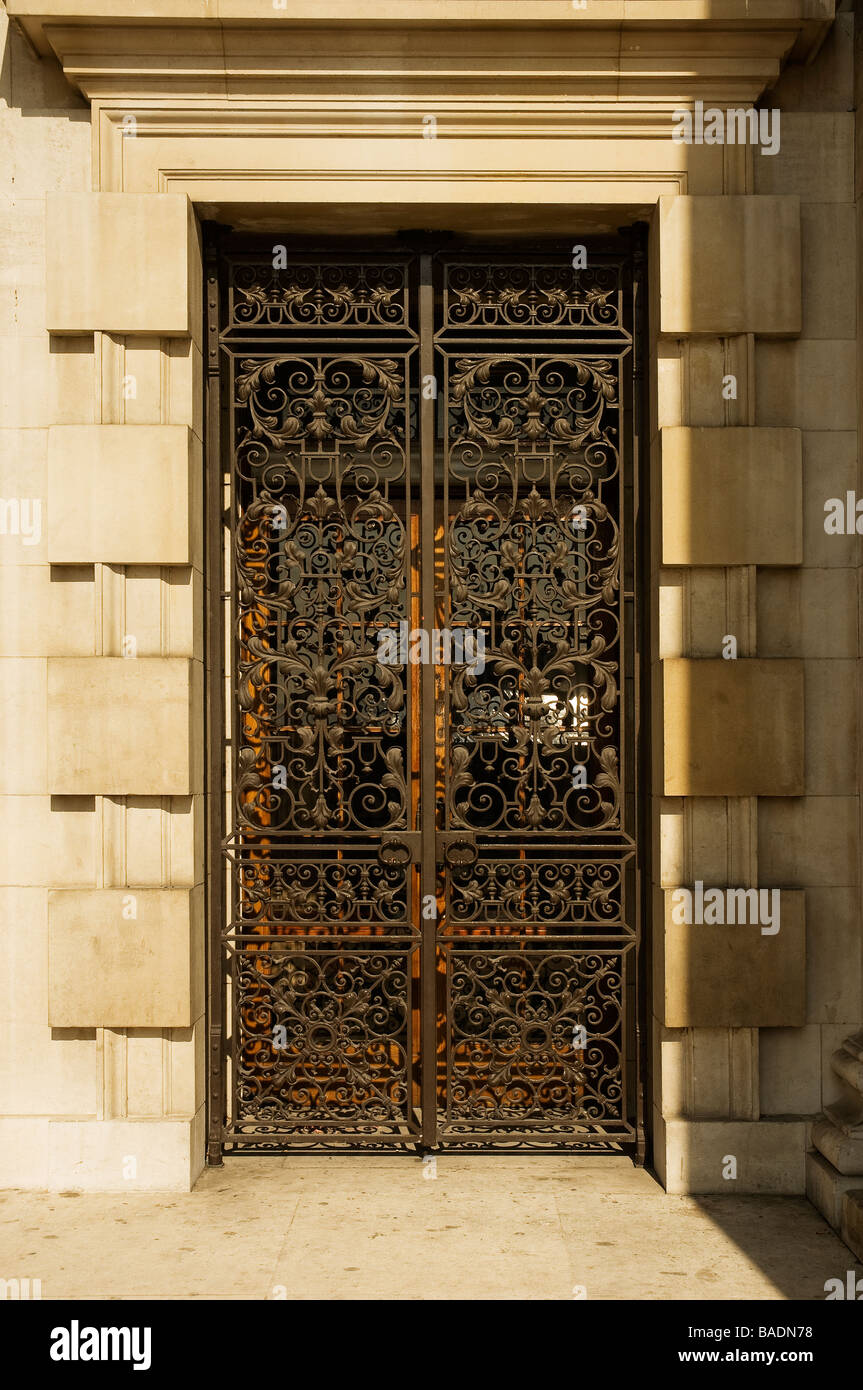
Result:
[[754, 421], [788, 592], [100, 660]]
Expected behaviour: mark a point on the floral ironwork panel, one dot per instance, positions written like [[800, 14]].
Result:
[[533, 480], [535, 1041], [540, 296], [318, 296], [323, 1037], [538, 891], [321, 560]]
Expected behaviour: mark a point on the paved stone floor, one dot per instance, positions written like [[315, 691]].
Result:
[[484, 1228]]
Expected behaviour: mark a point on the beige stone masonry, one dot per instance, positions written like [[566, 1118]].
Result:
[[547, 123], [124, 957], [23, 714], [122, 263], [124, 726], [730, 264], [734, 976], [769, 1155], [733, 728], [129, 1155], [124, 494], [732, 496], [43, 846]]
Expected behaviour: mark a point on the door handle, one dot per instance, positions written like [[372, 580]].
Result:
[[457, 846], [403, 847]]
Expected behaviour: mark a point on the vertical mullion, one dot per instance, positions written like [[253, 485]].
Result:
[[428, 926]]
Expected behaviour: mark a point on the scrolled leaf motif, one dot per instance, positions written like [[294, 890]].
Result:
[[321, 413], [382, 297], [312, 294], [249, 778], [610, 778], [605, 673], [384, 375], [460, 776], [466, 581], [321, 505], [479, 424], [585, 425], [266, 423], [525, 294], [394, 780], [609, 573], [253, 794], [494, 413]]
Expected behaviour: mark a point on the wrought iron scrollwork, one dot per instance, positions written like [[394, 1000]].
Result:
[[321, 567], [322, 935], [318, 296], [323, 1036], [516, 1054], [534, 558], [537, 931], [530, 932], [508, 296]]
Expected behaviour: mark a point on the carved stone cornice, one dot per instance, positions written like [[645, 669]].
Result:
[[520, 62]]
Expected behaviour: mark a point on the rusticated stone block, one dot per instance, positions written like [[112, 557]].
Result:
[[732, 497], [124, 494], [730, 264], [124, 957], [124, 727], [736, 976], [733, 728], [120, 263]]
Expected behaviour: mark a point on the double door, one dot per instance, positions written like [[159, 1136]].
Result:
[[423, 881]]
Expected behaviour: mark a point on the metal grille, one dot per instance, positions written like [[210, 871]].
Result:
[[534, 938], [425, 926]]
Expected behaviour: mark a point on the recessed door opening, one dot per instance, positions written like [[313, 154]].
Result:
[[423, 778]]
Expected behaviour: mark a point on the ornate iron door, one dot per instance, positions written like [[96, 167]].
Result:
[[422, 876]]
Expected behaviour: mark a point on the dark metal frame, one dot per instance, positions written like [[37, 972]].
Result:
[[431, 846]]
